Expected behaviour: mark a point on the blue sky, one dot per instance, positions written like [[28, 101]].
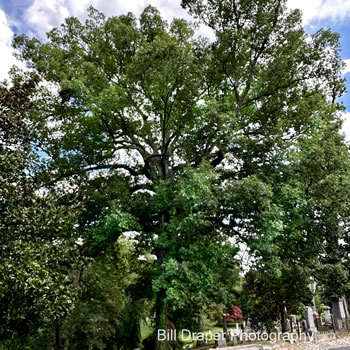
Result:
[[36, 17]]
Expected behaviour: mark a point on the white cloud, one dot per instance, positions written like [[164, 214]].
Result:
[[170, 9], [346, 125], [314, 10], [120, 7], [7, 58], [347, 67], [43, 15], [78, 8], [309, 8]]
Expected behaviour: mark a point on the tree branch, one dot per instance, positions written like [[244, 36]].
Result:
[[97, 167]]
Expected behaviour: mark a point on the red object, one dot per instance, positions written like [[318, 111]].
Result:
[[236, 315]]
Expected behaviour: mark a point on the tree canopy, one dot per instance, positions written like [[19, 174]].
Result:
[[194, 146]]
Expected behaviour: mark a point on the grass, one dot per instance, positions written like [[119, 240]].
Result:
[[146, 330]]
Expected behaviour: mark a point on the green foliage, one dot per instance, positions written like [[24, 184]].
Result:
[[194, 145], [38, 250], [108, 312], [270, 292]]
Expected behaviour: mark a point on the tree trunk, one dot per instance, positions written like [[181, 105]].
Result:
[[162, 322], [57, 335], [284, 319], [161, 317]]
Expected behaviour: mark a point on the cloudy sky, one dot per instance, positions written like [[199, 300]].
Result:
[[36, 17]]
